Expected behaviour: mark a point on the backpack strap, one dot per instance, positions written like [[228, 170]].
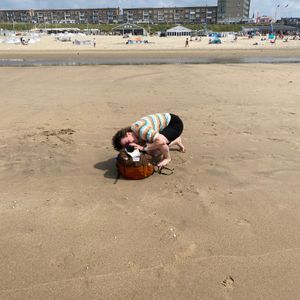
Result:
[[117, 178], [163, 170]]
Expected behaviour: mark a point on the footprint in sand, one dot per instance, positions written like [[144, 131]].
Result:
[[228, 282], [119, 202], [246, 132], [246, 224], [187, 252], [61, 134], [169, 235]]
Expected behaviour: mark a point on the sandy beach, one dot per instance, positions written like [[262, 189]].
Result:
[[116, 45], [49, 43], [225, 225], [113, 50]]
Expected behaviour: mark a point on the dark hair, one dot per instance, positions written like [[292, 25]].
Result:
[[116, 140]]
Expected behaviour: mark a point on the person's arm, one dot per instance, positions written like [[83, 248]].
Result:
[[159, 140], [137, 146]]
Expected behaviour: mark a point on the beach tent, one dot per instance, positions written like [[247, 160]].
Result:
[[215, 40], [215, 35], [179, 31], [129, 29]]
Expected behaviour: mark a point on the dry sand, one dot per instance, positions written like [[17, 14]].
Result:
[[110, 48], [224, 226], [48, 43], [117, 43]]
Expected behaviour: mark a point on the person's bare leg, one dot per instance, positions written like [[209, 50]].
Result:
[[178, 142], [155, 153], [161, 144], [156, 156], [164, 148]]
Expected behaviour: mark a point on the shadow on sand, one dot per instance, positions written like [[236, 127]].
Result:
[[109, 166]]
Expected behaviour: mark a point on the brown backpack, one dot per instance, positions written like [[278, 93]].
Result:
[[131, 169]]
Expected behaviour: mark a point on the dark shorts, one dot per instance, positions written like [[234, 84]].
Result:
[[174, 129]]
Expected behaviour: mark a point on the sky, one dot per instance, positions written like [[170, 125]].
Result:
[[263, 7]]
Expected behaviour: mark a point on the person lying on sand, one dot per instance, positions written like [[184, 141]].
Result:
[[153, 134]]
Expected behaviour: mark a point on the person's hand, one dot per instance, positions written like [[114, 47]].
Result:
[[137, 146]]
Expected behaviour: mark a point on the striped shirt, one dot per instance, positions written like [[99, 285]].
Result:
[[148, 127]]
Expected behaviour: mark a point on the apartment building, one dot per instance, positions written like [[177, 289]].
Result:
[[292, 21], [62, 16], [171, 15], [233, 11]]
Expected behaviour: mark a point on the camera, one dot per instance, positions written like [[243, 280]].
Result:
[[130, 148]]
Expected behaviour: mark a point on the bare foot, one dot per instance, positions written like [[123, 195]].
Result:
[[181, 147], [178, 143], [164, 162]]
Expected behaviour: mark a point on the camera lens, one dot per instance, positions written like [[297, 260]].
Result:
[[129, 148]]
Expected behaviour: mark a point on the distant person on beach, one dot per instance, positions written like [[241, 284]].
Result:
[[273, 38], [94, 42], [23, 41], [153, 134], [187, 42]]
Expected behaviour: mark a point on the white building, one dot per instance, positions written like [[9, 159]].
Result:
[[179, 31]]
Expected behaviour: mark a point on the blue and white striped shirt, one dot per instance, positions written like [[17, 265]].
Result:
[[149, 126]]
